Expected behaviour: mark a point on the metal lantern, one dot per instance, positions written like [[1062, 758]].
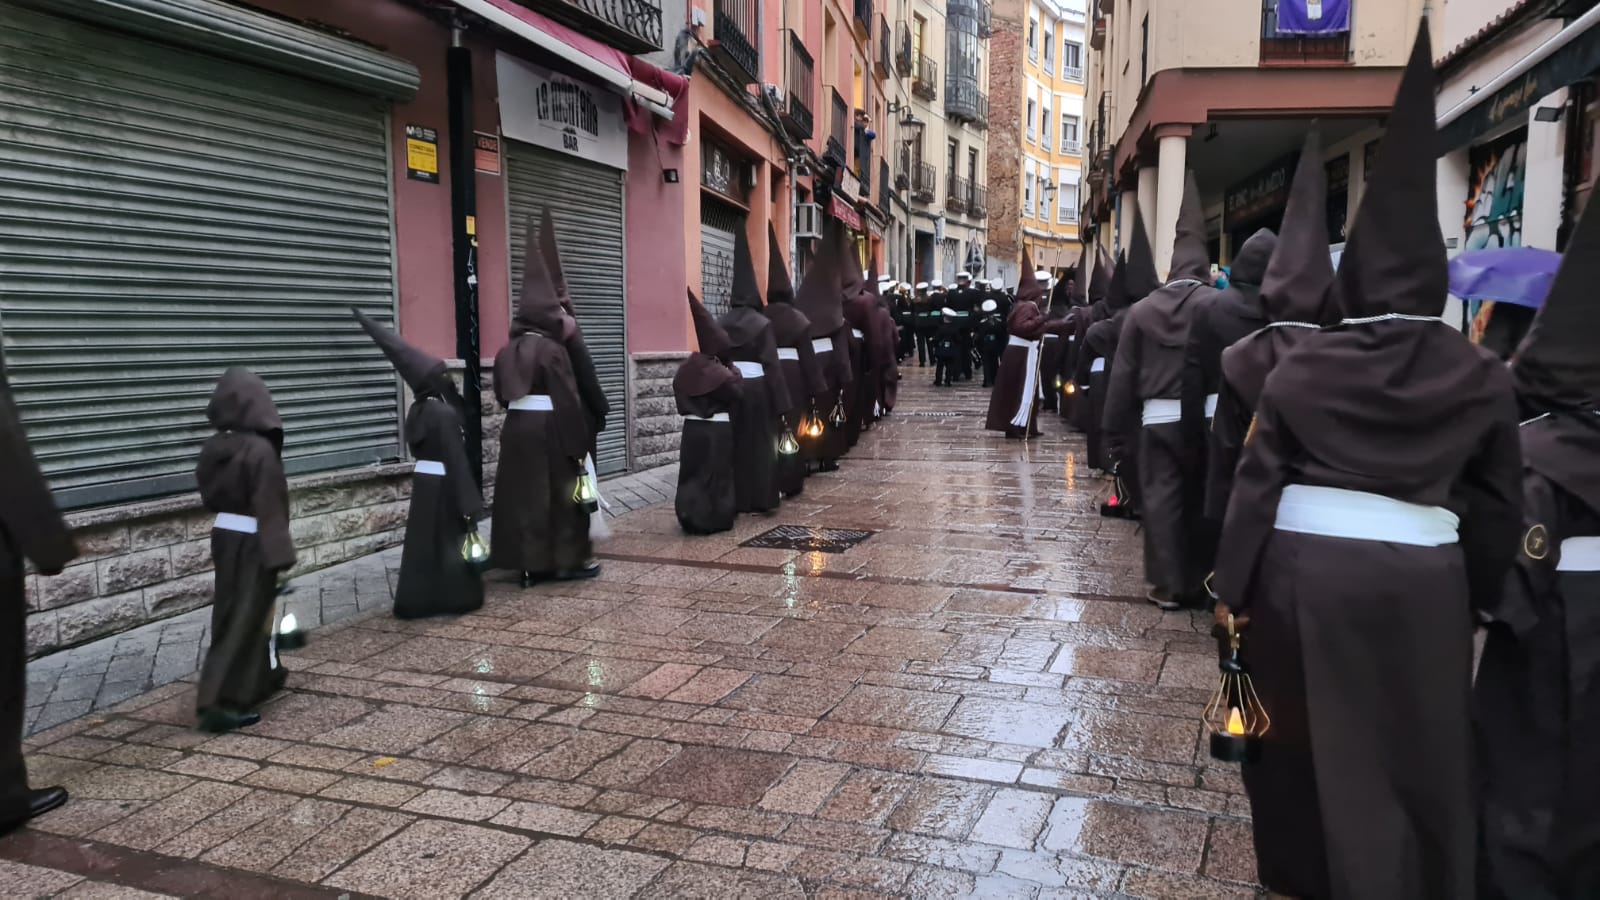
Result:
[[837, 417], [290, 636], [586, 494], [475, 552], [1069, 389], [1235, 719], [787, 445], [1119, 503]]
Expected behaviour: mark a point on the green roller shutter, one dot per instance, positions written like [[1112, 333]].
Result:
[[165, 214], [585, 200]]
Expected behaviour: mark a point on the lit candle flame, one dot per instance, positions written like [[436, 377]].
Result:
[[1235, 722]]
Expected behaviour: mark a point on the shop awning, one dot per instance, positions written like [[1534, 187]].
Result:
[[643, 84], [1568, 57]]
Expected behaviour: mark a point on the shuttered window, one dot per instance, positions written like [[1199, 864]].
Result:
[[164, 215], [720, 224], [585, 200]]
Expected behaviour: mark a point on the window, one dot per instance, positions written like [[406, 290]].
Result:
[[1033, 39], [1044, 198], [1069, 134], [1033, 134], [1044, 127], [1027, 191], [953, 157], [972, 165], [1049, 50], [1067, 205], [1071, 60], [919, 27]]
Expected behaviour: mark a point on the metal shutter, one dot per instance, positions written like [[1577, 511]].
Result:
[[585, 200], [720, 224], [165, 215]]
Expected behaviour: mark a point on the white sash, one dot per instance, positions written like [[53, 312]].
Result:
[[1579, 554], [236, 522], [1360, 516], [856, 333], [717, 417], [533, 403], [1051, 336], [750, 369], [822, 345], [790, 353], [429, 467], [1211, 406], [1161, 412], [1030, 384], [1099, 364]]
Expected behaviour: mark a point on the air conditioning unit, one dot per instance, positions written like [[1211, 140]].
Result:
[[774, 93], [807, 220]]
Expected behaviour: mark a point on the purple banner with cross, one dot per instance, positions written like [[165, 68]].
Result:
[[1313, 17]]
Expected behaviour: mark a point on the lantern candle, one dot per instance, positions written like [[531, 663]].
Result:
[[1235, 718]]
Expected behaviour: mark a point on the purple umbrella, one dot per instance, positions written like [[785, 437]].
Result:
[[1519, 275]]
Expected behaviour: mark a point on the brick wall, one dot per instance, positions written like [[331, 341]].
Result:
[[1006, 49]]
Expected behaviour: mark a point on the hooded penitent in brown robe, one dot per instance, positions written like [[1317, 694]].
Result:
[[1014, 402], [883, 339], [540, 529], [446, 501], [1085, 417], [1053, 350], [708, 389], [1537, 693], [1097, 360], [1144, 407], [862, 391], [1376, 506], [241, 479], [1296, 300], [32, 529], [757, 418], [801, 374], [595, 405], [822, 304]]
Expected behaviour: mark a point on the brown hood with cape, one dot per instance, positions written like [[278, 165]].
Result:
[[750, 331], [422, 372], [239, 470], [1026, 319], [30, 525], [595, 405], [790, 328], [819, 297], [1166, 311], [705, 374]]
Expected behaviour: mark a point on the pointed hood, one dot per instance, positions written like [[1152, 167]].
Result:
[[1061, 296], [779, 288], [818, 296], [1394, 260], [552, 259], [1140, 280], [746, 292], [1029, 290], [1117, 298], [1080, 272], [1189, 256], [415, 366], [709, 335], [1557, 366], [539, 308], [850, 279], [1297, 283], [1100, 278]]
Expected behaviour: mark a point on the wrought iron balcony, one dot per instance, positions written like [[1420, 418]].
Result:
[[735, 38], [863, 16], [838, 129], [861, 163], [978, 206], [630, 25], [957, 195], [923, 182], [799, 90], [963, 102], [925, 81], [1295, 49], [903, 57], [885, 49]]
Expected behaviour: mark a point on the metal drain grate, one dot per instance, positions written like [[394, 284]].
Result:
[[808, 539], [937, 415]]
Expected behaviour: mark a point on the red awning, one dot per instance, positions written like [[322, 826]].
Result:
[[845, 213]]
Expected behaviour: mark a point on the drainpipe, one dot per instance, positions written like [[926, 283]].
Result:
[[463, 240]]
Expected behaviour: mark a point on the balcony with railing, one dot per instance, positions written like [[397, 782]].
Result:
[[838, 128], [630, 25], [1071, 147], [1072, 73], [958, 193], [863, 17], [799, 89], [1299, 49], [963, 102], [978, 206], [925, 80], [735, 38], [904, 59], [924, 182], [861, 162], [885, 186], [885, 49]]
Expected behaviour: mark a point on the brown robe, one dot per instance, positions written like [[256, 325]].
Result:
[[30, 528], [240, 472], [804, 378], [757, 417], [706, 502], [434, 578], [1025, 321]]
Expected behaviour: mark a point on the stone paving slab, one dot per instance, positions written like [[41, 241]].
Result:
[[973, 701], [103, 673]]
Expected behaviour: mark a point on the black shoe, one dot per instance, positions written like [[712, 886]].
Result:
[[220, 721], [592, 570], [828, 467], [529, 579], [40, 801]]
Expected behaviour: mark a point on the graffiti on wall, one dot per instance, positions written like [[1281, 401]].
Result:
[[1494, 197]]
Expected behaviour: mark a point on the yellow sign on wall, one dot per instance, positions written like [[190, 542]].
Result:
[[422, 154]]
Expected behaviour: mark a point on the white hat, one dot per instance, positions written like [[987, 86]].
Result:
[[964, 274], [947, 311], [922, 285], [1042, 275], [938, 283], [990, 306], [997, 283]]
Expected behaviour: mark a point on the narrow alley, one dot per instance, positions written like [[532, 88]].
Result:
[[932, 675]]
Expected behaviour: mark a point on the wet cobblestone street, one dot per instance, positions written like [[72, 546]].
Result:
[[974, 700]]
